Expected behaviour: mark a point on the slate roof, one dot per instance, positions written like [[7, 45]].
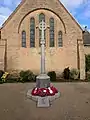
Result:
[[86, 37]]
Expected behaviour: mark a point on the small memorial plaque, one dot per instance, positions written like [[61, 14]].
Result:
[[43, 102]]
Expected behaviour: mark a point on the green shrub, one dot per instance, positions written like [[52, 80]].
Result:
[[87, 61], [13, 77], [66, 73], [88, 76], [27, 76], [74, 74], [59, 75], [4, 77], [11, 80], [52, 75], [35, 78], [1, 74]]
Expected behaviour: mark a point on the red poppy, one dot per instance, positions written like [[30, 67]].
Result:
[[54, 89], [35, 92], [51, 91]]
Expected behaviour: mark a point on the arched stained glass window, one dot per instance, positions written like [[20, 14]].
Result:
[[60, 44], [23, 38], [41, 17], [32, 32], [51, 22]]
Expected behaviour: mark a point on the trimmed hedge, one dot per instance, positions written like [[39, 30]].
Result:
[[1, 74], [27, 76], [88, 76], [74, 74], [66, 73], [52, 75], [87, 61], [17, 76]]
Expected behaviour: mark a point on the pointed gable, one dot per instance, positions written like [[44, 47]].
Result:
[[28, 6]]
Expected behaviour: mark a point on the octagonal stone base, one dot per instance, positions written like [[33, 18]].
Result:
[[43, 81], [36, 98]]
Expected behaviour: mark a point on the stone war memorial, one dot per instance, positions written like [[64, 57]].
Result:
[[43, 93]]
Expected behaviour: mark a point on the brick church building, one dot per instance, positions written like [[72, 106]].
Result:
[[65, 42]]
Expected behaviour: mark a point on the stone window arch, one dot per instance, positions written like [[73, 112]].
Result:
[[60, 41], [41, 17], [23, 38], [51, 22], [32, 32]]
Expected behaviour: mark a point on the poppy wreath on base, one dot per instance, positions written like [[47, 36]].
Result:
[[50, 91]]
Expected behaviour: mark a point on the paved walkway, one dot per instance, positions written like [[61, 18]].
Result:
[[74, 103]]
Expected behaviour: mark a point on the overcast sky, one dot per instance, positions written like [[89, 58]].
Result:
[[80, 9]]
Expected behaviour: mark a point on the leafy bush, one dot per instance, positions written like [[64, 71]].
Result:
[[35, 78], [12, 79], [27, 76], [4, 77], [88, 76], [15, 73], [74, 74], [13, 76], [87, 60], [59, 75], [1, 74], [52, 75], [66, 73]]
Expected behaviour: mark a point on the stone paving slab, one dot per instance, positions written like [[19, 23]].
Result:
[[73, 104]]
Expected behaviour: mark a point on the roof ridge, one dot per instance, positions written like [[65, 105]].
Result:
[[71, 15]]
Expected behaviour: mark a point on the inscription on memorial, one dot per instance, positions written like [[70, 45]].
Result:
[[43, 102]]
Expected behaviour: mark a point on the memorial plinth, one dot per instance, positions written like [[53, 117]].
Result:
[[43, 81]]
